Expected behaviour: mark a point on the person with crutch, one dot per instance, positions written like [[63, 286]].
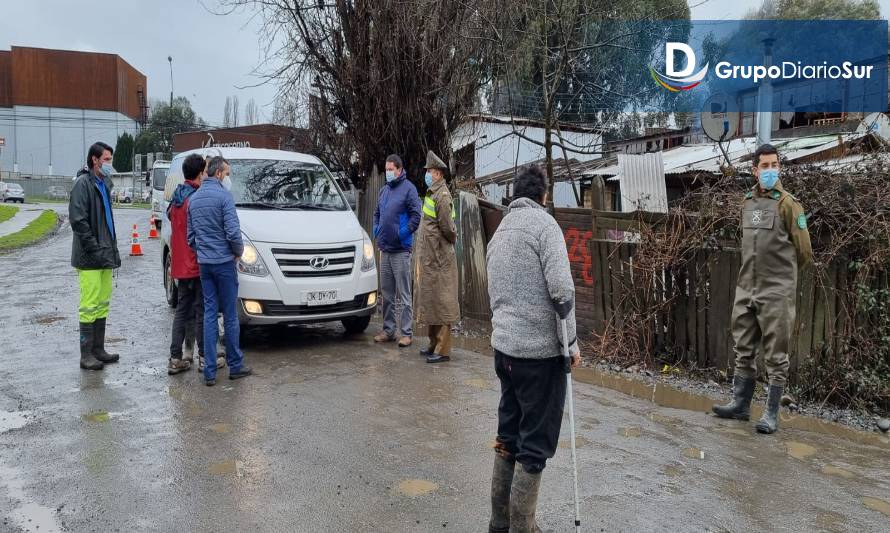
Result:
[[528, 271]]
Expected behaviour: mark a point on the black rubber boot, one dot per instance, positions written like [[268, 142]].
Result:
[[769, 422], [87, 360], [99, 343], [740, 406], [501, 480], [524, 501]]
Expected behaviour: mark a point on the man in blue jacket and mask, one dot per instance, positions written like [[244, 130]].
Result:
[[395, 220]]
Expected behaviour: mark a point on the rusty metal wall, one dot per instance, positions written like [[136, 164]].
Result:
[[366, 203], [472, 268], [75, 80], [5, 79]]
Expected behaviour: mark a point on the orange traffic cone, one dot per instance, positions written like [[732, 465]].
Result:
[[135, 247], [153, 231]]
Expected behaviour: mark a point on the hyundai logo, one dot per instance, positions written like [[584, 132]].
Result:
[[319, 263]]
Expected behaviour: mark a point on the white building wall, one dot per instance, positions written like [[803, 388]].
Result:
[[499, 147], [42, 141]]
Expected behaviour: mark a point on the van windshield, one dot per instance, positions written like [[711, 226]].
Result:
[[284, 185], [159, 178]]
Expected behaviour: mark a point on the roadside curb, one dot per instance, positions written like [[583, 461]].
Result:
[[60, 220]]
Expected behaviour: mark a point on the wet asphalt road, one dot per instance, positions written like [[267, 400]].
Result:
[[338, 434]]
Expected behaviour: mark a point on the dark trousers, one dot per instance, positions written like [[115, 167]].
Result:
[[189, 313], [220, 285], [533, 394]]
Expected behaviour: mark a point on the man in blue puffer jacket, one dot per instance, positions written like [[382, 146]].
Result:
[[395, 220], [214, 233]]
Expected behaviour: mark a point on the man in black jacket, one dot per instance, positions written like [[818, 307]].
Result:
[[94, 252]]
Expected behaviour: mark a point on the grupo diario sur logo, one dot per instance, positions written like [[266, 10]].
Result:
[[810, 65]]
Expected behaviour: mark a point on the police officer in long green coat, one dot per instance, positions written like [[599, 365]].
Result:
[[775, 244]]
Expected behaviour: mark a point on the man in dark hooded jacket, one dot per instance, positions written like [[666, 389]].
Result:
[[94, 252], [184, 267]]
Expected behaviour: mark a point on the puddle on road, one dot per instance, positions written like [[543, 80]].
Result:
[[97, 417], [630, 432], [580, 442], [667, 396], [36, 518], [831, 521], [151, 371], [877, 505], [831, 470], [10, 421], [29, 516], [733, 431], [478, 383], [799, 450], [223, 468], [694, 453], [416, 487], [45, 320], [672, 471], [221, 428], [666, 420]]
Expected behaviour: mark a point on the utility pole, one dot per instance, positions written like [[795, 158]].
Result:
[[170, 60], [765, 98]]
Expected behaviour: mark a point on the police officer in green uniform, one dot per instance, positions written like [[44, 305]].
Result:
[[775, 244]]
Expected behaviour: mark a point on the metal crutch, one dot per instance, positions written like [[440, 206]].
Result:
[[563, 308]]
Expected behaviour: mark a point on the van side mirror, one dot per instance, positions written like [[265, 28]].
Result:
[[351, 201]]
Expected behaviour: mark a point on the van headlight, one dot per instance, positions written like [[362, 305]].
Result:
[[369, 262], [251, 263]]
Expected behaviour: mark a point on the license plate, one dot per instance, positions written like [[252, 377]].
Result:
[[320, 297]]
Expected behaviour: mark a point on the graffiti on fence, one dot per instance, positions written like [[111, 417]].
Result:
[[578, 244]]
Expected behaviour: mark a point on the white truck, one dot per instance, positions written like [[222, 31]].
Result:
[[158, 175], [306, 257]]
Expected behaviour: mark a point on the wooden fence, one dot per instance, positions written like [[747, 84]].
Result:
[[687, 311]]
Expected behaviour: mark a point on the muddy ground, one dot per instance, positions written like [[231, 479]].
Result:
[[338, 434]]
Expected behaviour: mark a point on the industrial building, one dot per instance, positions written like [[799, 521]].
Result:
[[54, 104]]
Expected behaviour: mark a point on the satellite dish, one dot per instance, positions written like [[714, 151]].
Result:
[[720, 117]]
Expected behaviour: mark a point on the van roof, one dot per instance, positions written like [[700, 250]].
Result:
[[253, 153]]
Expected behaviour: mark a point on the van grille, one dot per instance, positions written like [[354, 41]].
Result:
[[297, 262], [272, 308]]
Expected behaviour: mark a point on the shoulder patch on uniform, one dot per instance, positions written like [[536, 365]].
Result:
[[749, 195], [802, 221], [776, 195]]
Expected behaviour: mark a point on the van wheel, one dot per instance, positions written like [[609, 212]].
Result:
[[356, 324], [170, 289]]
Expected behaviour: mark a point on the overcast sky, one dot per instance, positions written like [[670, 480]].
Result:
[[213, 55]]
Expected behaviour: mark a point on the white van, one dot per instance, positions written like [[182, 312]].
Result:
[[306, 258], [158, 176]]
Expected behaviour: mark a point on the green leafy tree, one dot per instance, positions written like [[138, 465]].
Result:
[[166, 121], [123, 153], [817, 9]]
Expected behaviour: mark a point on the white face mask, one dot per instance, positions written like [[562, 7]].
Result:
[[227, 183]]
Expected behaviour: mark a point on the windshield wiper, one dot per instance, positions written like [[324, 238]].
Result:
[[315, 207], [258, 205]]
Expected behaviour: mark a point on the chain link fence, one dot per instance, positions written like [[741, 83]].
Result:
[[128, 188]]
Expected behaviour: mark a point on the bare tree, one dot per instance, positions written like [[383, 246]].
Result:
[[235, 111], [251, 113], [384, 75], [227, 112], [564, 61]]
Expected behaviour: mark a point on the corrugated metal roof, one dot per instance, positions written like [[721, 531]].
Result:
[[707, 157]]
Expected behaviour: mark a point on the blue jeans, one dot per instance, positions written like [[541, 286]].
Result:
[[220, 285]]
